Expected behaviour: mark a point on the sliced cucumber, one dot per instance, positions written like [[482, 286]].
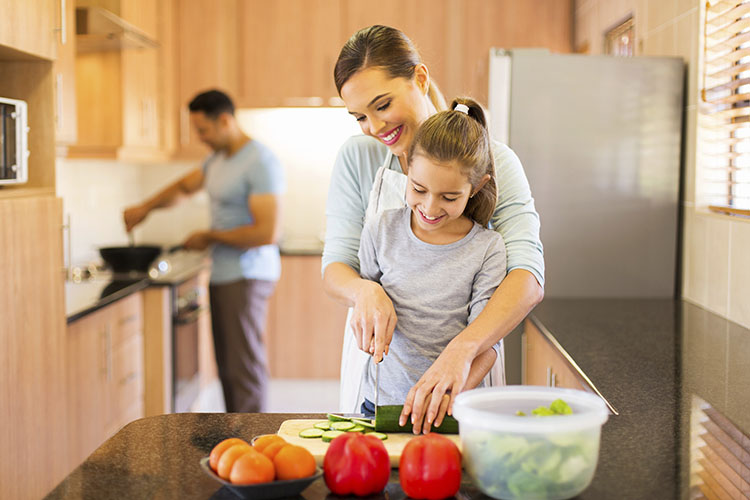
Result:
[[329, 436], [365, 422], [323, 425], [341, 426], [312, 432], [356, 428], [378, 435], [337, 418]]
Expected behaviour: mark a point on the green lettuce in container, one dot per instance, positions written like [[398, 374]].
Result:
[[551, 454]]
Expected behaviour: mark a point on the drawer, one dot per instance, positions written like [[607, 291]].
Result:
[[544, 364], [126, 318], [126, 384]]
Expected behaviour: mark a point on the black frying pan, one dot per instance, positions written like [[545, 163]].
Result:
[[132, 258]]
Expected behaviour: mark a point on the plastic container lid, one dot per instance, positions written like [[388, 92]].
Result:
[[494, 408]]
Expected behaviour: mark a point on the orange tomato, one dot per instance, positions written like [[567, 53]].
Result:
[[227, 459], [273, 448], [252, 468], [213, 458], [294, 462], [260, 442]]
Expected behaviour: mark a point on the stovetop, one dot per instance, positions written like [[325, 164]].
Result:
[[95, 287]]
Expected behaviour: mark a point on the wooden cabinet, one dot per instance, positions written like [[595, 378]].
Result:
[[34, 402], [105, 374], [287, 51], [118, 98], [544, 363], [206, 41], [305, 327], [454, 36], [30, 26], [66, 125]]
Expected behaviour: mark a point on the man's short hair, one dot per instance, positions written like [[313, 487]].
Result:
[[212, 103]]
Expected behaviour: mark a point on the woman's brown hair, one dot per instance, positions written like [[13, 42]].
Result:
[[457, 137], [381, 47]]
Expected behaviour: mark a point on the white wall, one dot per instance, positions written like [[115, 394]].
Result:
[[95, 193], [306, 140]]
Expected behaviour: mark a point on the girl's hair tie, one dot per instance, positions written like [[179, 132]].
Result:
[[463, 108]]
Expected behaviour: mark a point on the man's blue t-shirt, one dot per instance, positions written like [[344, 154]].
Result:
[[229, 182]]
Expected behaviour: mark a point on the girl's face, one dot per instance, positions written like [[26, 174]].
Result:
[[437, 195], [389, 109]]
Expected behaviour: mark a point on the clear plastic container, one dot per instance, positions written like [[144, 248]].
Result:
[[513, 457]]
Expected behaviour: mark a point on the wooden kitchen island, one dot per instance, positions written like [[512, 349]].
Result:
[[676, 374]]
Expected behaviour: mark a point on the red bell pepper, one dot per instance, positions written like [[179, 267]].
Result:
[[430, 467], [356, 464]]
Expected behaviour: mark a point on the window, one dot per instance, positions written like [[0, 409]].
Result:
[[724, 120]]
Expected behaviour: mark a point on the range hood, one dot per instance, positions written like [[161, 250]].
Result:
[[99, 30]]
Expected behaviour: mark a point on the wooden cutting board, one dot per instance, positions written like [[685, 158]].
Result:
[[395, 443]]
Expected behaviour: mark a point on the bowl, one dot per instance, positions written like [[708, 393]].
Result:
[[265, 491], [513, 457]]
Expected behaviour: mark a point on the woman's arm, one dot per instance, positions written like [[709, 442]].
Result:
[[373, 316], [515, 218], [516, 296], [351, 182]]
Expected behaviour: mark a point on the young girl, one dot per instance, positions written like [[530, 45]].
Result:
[[435, 257]]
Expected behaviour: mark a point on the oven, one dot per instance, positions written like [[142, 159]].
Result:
[[190, 308]]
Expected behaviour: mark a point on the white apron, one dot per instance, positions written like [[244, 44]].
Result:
[[388, 192]]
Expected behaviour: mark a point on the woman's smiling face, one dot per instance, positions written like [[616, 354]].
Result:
[[389, 109]]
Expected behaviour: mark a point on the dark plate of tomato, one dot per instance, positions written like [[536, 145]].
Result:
[[265, 491]]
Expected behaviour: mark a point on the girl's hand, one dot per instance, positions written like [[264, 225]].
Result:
[[373, 320], [432, 396]]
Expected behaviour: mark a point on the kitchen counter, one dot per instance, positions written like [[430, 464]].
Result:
[[87, 296], [649, 358]]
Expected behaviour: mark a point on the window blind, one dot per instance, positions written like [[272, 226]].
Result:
[[724, 158]]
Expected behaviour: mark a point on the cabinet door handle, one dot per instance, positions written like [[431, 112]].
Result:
[[184, 126], [129, 378], [554, 380], [125, 321], [58, 102], [63, 23], [108, 353]]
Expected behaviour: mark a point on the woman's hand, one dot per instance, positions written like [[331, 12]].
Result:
[[432, 396], [373, 319]]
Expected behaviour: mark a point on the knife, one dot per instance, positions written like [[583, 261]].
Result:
[[377, 388]]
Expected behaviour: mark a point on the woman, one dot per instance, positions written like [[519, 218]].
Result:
[[387, 89]]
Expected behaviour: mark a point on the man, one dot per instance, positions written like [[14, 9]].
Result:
[[244, 182]]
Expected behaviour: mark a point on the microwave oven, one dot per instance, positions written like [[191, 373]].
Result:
[[14, 141]]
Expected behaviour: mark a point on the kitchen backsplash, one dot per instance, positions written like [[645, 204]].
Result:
[[95, 192]]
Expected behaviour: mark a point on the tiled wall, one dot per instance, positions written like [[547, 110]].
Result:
[[716, 249], [95, 192]]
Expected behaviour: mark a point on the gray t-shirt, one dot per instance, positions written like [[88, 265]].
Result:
[[436, 290]]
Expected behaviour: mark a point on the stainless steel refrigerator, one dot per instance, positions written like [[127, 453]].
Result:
[[600, 139]]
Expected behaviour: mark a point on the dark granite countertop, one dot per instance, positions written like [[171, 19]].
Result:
[[88, 296], [649, 358]]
